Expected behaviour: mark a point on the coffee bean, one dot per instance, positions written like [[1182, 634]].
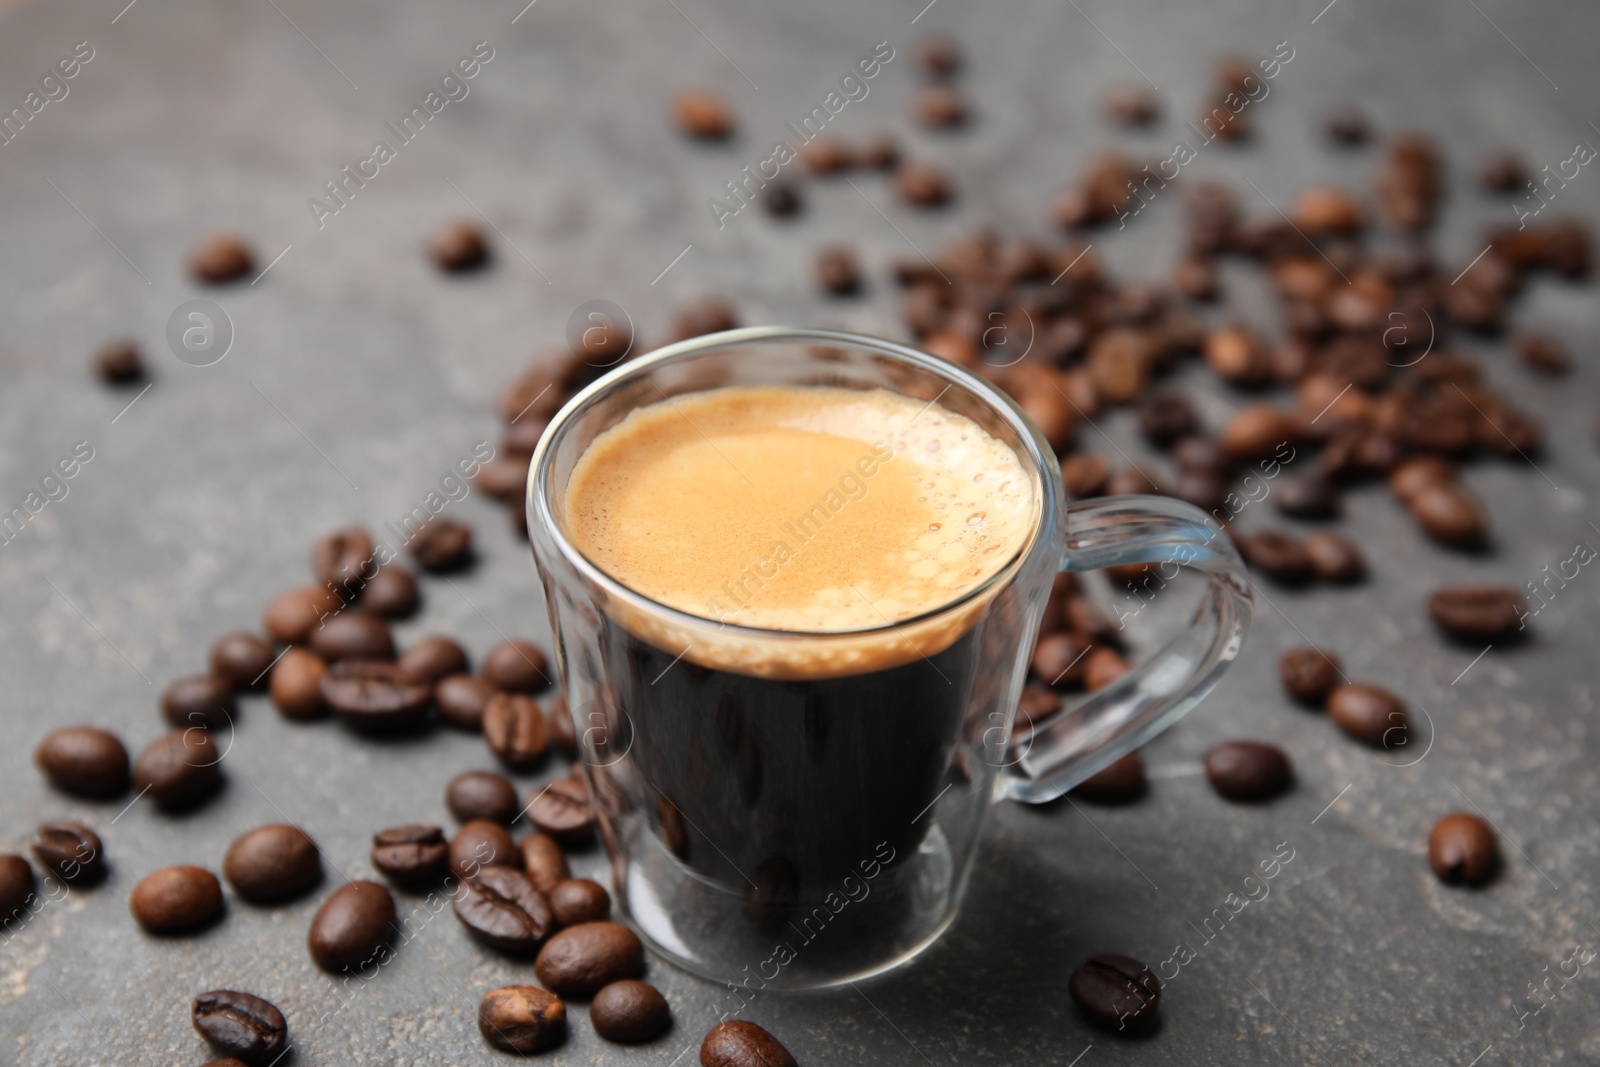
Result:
[[411, 855], [375, 695], [1335, 558], [1085, 475], [781, 199], [1309, 674], [441, 545], [16, 887], [272, 863], [241, 1025], [202, 700], [827, 155], [481, 843], [1308, 498], [293, 616], [243, 659], [1258, 432], [1116, 991], [579, 900], [482, 795], [179, 770], [630, 1011], [84, 760], [921, 184], [1248, 770], [517, 667], [581, 959], [226, 1061], [352, 634], [939, 107], [1462, 849], [433, 658], [1369, 714], [1325, 209], [1239, 357], [220, 258], [561, 809], [1034, 706], [1166, 416], [1119, 782], [352, 925], [392, 593], [880, 152], [1347, 125], [1102, 666], [1058, 659], [702, 114], [296, 684], [505, 477], [544, 862], [515, 730], [69, 850], [462, 700], [1478, 614], [522, 1018], [457, 247], [1451, 515], [1280, 556], [500, 907], [1544, 354], [939, 55], [563, 734], [1195, 277], [837, 271], [340, 559], [1130, 105], [175, 899], [119, 363]]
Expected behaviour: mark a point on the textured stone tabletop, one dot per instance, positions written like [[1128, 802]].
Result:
[[358, 376]]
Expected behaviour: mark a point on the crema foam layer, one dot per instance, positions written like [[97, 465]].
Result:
[[800, 509]]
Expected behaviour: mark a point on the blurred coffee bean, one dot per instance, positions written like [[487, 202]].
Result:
[[1280, 556], [1257, 432], [1347, 125], [84, 760], [1117, 992], [517, 667], [375, 695], [1335, 558], [1196, 278], [563, 735], [352, 634], [69, 850], [1503, 172], [457, 247], [1248, 770], [1058, 659], [522, 1019], [1120, 782], [119, 363], [1102, 666], [921, 184], [1462, 849], [1369, 714], [1308, 498], [176, 899], [220, 258], [880, 152], [1327, 209], [1085, 475], [352, 926], [462, 699], [242, 659], [202, 700], [939, 107], [1309, 674], [1451, 515], [392, 593], [433, 658], [293, 615], [296, 684], [1165, 416], [702, 114], [939, 55], [411, 855], [1478, 614], [781, 199], [1131, 105], [1544, 354], [16, 888], [180, 769], [441, 545], [837, 271], [340, 559], [482, 795]]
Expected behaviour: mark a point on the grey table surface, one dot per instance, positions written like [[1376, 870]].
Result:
[[358, 376]]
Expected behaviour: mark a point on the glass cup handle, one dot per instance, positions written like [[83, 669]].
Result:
[[1064, 749]]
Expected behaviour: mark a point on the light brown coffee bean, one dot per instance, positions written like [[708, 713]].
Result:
[[1451, 515], [458, 246], [702, 114], [582, 959], [220, 258], [296, 684], [522, 1019], [1369, 714], [293, 615], [174, 899]]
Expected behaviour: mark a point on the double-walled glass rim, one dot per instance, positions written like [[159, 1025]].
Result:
[[541, 488]]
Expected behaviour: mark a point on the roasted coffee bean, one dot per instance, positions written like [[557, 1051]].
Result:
[[411, 855], [1369, 714], [1309, 674], [1058, 659], [1308, 498], [1102, 666], [1167, 416], [1325, 209], [392, 593], [180, 769], [581, 959], [1503, 173], [1347, 125], [1119, 782], [16, 887], [1248, 770], [1239, 356], [441, 545], [433, 658], [563, 734], [1085, 475], [579, 900], [119, 363], [1280, 556], [241, 1025], [1462, 849], [293, 616], [1478, 614], [1131, 105], [781, 199], [84, 760], [458, 246], [272, 863], [482, 795], [376, 695], [544, 862], [827, 155], [939, 107], [515, 730], [1202, 455], [505, 477], [462, 700], [352, 925], [501, 908], [837, 271], [296, 684], [561, 809], [352, 634], [1195, 277], [1451, 515], [241, 658], [939, 56], [220, 258], [1411, 477], [921, 184], [630, 1011], [341, 558], [1544, 354], [703, 114], [522, 1018], [1034, 706], [1258, 432], [737, 1043], [203, 700], [1335, 558], [517, 667], [481, 843], [175, 899], [69, 850], [226, 1061], [1116, 991]]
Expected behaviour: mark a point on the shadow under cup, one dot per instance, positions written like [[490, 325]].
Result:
[[776, 815]]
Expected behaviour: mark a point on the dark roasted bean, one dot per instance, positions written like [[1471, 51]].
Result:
[[241, 658], [1544, 354], [340, 559], [517, 667], [1347, 125], [1478, 614], [1248, 770], [1166, 416], [352, 635], [940, 107], [272, 863], [458, 246], [69, 850], [579, 900], [1462, 849], [630, 1011], [939, 55], [1280, 556], [296, 684], [581, 959], [544, 862], [515, 730], [1119, 782], [441, 545], [500, 907], [1308, 498], [781, 199], [837, 271], [481, 843], [175, 899], [293, 615], [220, 258], [463, 698], [84, 760], [376, 695], [433, 658], [1116, 991], [482, 795], [1451, 515], [203, 700], [180, 769], [561, 809], [16, 887], [1369, 714], [522, 1019], [411, 855], [392, 593], [352, 926], [1335, 558], [1085, 475], [1309, 674], [241, 1025], [119, 363]]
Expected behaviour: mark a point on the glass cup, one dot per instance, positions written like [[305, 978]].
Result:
[[777, 816]]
